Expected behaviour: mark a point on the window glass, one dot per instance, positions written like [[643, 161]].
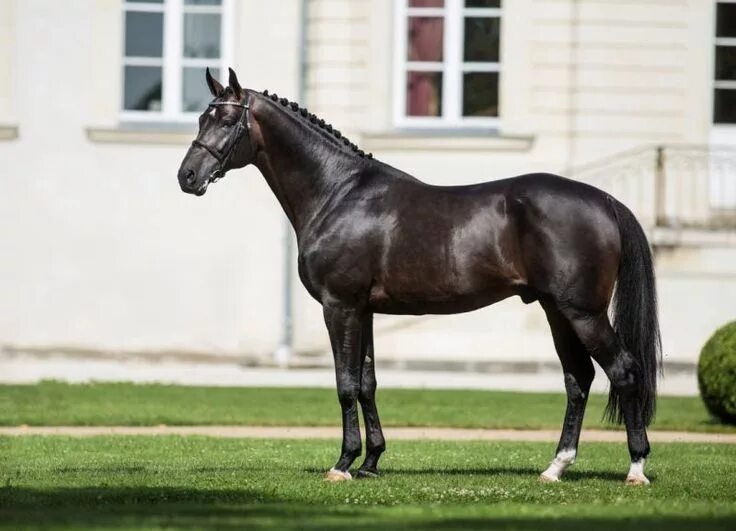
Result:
[[201, 35], [482, 3], [426, 3], [480, 94], [195, 94], [143, 88], [725, 106], [726, 62], [424, 94], [425, 39], [481, 39], [726, 20], [144, 34]]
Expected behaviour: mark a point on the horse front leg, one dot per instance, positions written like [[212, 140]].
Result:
[[374, 441], [345, 328]]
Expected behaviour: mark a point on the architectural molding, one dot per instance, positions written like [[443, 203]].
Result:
[[434, 141], [9, 132], [140, 136]]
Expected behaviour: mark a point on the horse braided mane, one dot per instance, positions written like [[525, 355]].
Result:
[[313, 120]]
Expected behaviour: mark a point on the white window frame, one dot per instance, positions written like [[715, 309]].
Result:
[[452, 67], [173, 60]]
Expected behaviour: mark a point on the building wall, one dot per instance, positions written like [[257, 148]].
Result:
[[580, 80], [101, 250]]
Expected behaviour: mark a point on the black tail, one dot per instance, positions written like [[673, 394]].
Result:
[[635, 315]]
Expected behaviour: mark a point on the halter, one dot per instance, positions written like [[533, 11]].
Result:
[[223, 157]]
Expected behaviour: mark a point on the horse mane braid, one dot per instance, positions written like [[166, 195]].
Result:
[[294, 106]]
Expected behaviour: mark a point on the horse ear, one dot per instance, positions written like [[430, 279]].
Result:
[[237, 89], [215, 88]]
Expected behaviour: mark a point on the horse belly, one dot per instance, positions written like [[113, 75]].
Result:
[[448, 295]]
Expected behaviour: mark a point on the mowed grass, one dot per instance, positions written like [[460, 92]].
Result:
[[104, 404], [197, 482]]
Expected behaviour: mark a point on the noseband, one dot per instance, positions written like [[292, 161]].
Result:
[[223, 156]]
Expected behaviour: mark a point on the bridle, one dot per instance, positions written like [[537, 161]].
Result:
[[223, 156]]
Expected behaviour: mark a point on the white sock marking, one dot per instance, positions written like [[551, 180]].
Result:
[[636, 471], [559, 464]]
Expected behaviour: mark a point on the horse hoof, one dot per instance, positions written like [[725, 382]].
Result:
[[334, 475], [366, 474], [543, 478], [637, 480]]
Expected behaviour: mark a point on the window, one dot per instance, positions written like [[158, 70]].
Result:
[[167, 46], [724, 97], [447, 63]]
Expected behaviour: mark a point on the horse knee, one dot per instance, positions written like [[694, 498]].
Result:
[[347, 394]]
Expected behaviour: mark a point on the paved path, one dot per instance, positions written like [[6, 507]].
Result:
[[284, 432]]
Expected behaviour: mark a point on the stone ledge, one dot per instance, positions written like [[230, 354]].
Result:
[[140, 136], [9, 132], [692, 237], [445, 142]]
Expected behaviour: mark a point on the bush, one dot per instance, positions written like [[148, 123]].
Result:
[[717, 374]]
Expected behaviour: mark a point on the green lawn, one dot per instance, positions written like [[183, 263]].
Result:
[[54, 404], [197, 482]]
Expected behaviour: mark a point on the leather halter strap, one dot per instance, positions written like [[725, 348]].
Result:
[[223, 156]]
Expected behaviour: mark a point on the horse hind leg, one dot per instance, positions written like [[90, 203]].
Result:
[[599, 338], [578, 370]]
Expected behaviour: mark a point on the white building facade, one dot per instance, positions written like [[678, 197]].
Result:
[[98, 101]]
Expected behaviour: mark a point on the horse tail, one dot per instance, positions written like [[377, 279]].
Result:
[[635, 316]]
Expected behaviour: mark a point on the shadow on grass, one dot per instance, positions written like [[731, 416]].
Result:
[[106, 507], [532, 473]]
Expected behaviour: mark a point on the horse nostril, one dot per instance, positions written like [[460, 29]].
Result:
[[190, 177]]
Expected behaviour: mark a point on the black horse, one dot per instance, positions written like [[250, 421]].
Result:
[[373, 239]]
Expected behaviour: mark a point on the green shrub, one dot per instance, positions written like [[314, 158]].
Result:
[[717, 373]]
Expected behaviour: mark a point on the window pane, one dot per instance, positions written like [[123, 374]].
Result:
[[482, 39], [480, 94], [424, 94], [726, 20], [482, 3], [202, 36], [143, 88], [144, 34], [726, 62], [202, 2], [426, 3], [724, 111], [425, 39], [195, 94]]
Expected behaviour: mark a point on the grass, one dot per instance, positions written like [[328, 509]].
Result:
[[56, 404], [196, 482]]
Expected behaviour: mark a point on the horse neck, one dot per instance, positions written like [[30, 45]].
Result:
[[294, 159]]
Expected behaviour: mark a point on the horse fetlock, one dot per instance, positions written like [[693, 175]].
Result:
[[559, 464], [636, 473]]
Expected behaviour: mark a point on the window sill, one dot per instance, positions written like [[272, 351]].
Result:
[[162, 135], [445, 141], [8, 132]]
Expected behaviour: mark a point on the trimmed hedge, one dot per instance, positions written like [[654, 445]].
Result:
[[717, 374]]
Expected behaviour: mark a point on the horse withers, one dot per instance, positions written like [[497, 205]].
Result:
[[373, 239]]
